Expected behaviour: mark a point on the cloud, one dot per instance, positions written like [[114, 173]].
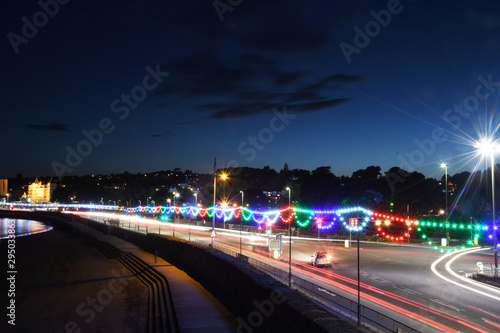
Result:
[[258, 57], [54, 125], [248, 84]]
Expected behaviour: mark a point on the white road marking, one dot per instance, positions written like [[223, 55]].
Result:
[[433, 268], [447, 304]]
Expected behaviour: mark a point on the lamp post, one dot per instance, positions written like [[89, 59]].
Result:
[[486, 146], [241, 218], [213, 216], [408, 221], [289, 242], [359, 279], [443, 165], [195, 199]]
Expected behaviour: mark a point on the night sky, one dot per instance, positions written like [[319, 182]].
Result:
[[100, 87]]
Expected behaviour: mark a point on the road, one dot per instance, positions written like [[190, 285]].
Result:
[[410, 284]]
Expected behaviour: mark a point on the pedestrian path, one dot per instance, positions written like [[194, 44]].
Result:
[[197, 310]]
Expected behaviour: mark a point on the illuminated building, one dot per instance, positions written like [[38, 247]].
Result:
[[39, 192]]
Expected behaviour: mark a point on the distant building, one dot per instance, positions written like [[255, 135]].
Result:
[[39, 192], [273, 197], [3, 187]]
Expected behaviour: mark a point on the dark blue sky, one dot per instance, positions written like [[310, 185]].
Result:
[[160, 84]]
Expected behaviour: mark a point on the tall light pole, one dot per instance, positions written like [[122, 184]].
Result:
[[443, 165], [241, 218], [215, 189], [195, 199], [289, 242], [486, 146]]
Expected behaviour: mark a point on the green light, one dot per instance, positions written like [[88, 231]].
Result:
[[419, 229], [430, 243], [424, 236], [441, 250], [435, 247], [268, 232]]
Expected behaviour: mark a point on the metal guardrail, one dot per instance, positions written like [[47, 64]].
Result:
[[347, 308]]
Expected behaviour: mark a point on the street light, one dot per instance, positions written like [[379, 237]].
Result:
[[195, 198], [487, 147], [289, 242], [241, 218], [443, 165]]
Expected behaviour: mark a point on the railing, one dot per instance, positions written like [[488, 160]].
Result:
[[347, 308], [341, 305], [493, 271]]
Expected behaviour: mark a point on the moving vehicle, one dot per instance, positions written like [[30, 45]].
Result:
[[321, 259]]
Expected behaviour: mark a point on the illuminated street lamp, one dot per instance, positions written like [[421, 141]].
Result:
[[223, 176], [487, 148], [289, 242], [241, 219], [443, 165]]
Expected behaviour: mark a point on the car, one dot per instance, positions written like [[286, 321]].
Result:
[[321, 259]]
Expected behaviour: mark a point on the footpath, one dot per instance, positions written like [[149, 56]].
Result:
[[196, 309]]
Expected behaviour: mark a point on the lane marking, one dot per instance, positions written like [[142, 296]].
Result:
[[443, 303], [433, 268]]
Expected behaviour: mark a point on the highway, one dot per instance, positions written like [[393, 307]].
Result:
[[415, 285]]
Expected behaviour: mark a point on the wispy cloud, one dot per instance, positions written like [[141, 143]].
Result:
[[54, 125]]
